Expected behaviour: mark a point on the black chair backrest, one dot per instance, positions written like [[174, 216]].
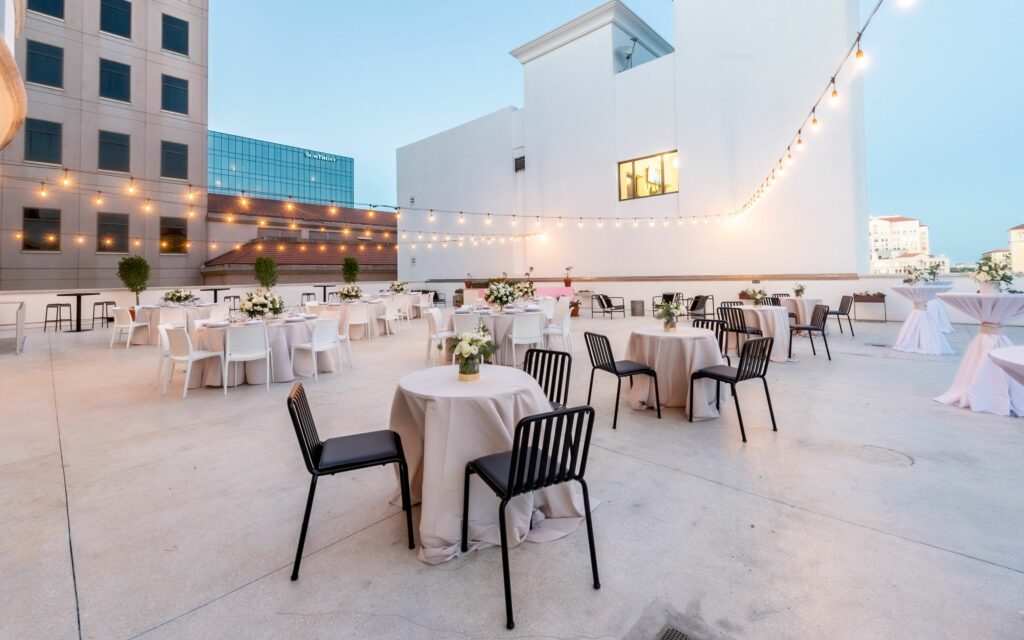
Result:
[[305, 428], [550, 448], [600, 351], [780, 295], [754, 359], [819, 316], [732, 303], [698, 303], [734, 319], [845, 305], [717, 326], [551, 369], [668, 297], [772, 301], [601, 302]]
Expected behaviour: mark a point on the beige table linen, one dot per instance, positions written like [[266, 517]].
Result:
[[802, 307], [773, 323], [674, 356], [373, 312], [151, 316], [282, 336], [444, 423], [500, 326]]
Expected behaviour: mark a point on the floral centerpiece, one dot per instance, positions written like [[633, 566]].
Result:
[[757, 295], [991, 274], [669, 312], [799, 290], [261, 302], [350, 292], [398, 287], [524, 289], [180, 296], [914, 275], [500, 293], [472, 347]]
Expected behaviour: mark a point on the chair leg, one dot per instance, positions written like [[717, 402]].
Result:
[[718, 395], [743, 432], [403, 478], [771, 411], [184, 384], [430, 343], [591, 391], [824, 339], [810, 336], [852, 334], [131, 334], [618, 392], [689, 399], [316, 375], [510, 624], [224, 374], [657, 395], [790, 344], [305, 525], [465, 509], [590, 534], [839, 319]]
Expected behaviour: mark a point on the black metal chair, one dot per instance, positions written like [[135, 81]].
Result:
[[753, 363], [308, 296], [601, 357], [59, 307], [736, 322], [344, 453], [105, 312], [547, 449], [233, 301], [669, 296], [606, 305], [698, 307], [818, 319], [731, 303], [718, 327], [845, 306], [551, 369], [780, 295], [772, 301]]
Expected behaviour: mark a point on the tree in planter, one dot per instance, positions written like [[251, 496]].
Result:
[[134, 274], [266, 271], [350, 270]]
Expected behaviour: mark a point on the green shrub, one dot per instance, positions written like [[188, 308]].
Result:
[[350, 270], [134, 274], [266, 271]]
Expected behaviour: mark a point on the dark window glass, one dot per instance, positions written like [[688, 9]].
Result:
[[53, 8], [40, 230], [175, 35], [174, 94], [116, 17], [115, 80], [44, 64], [112, 232], [114, 152], [43, 141], [173, 235], [173, 160]]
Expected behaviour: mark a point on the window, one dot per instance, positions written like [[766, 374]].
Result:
[[650, 176], [44, 64], [173, 235], [116, 17], [174, 94], [54, 8], [112, 232], [40, 229], [43, 141], [173, 160], [115, 80], [175, 36], [114, 152]]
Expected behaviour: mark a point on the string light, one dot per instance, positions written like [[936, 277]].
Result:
[[42, 190], [66, 180], [462, 218], [814, 121], [488, 220], [333, 210], [243, 200], [190, 194], [835, 92], [98, 200], [431, 216], [132, 188], [148, 206]]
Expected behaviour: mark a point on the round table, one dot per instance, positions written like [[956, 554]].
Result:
[[936, 310], [920, 333], [674, 356], [1010, 360], [374, 310], [803, 308], [150, 314], [500, 326], [980, 384], [445, 423], [773, 323]]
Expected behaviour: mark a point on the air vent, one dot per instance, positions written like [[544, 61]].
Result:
[[520, 163]]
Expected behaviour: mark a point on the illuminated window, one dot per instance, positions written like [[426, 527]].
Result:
[[650, 176], [40, 230], [173, 235], [112, 232]]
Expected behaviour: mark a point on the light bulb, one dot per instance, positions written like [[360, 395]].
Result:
[[462, 218], [559, 221], [66, 180], [515, 220], [581, 223], [190, 194], [431, 216], [132, 188], [835, 93], [42, 190], [814, 121], [859, 58], [99, 198], [488, 220]]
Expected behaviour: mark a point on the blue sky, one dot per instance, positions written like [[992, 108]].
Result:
[[944, 96]]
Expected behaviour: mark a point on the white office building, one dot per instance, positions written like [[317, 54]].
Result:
[[899, 243]]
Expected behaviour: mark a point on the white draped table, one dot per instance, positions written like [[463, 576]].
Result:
[[500, 326], [919, 333], [980, 384], [936, 309], [150, 314], [1010, 360], [773, 323], [674, 356], [803, 308], [445, 423]]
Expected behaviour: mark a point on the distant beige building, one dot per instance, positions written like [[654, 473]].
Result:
[[898, 243], [1017, 248]]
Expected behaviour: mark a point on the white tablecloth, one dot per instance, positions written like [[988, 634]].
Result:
[[444, 423], [282, 336], [500, 326], [674, 356], [919, 333], [937, 310], [373, 312], [151, 316], [773, 323], [802, 307], [980, 384], [1010, 360]]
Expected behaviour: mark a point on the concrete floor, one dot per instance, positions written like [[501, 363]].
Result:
[[874, 512]]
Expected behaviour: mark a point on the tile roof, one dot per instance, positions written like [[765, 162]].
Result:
[[898, 219], [290, 252], [301, 211], [1017, 228]]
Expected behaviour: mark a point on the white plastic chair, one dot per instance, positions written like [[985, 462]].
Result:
[[435, 335], [343, 333], [218, 313], [561, 325], [164, 353], [246, 343], [325, 338], [181, 352], [359, 314], [527, 328], [390, 315], [424, 303], [548, 306], [123, 323], [404, 301], [464, 322], [174, 316]]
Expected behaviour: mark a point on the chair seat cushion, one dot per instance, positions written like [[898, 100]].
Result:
[[718, 371], [628, 367], [803, 327], [495, 467], [358, 449]]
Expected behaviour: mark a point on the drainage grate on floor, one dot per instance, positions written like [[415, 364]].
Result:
[[671, 633]]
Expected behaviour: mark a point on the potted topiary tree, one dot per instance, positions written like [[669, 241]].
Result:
[[266, 271], [350, 270], [134, 274]]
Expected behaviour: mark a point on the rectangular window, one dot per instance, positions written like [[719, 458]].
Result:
[[650, 176], [54, 8], [173, 160], [173, 235], [175, 36], [112, 232], [114, 152], [115, 80], [40, 229], [174, 94], [44, 64], [43, 141], [116, 17]]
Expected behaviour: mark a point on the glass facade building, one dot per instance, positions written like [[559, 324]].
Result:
[[277, 171]]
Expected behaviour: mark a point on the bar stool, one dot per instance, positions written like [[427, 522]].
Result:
[[59, 307], [234, 300], [104, 308], [308, 296]]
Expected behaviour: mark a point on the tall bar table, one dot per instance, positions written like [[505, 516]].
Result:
[[78, 308], [215, 290], [325, 287]]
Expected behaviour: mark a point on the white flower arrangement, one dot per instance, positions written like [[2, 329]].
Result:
[[180, 296], [757, 295], [799, 290], [350, 292], [471, 347], [998, 272], [914, 275], [397, 287], [669, 311], [524, 289], [500, 293], [261, 302]]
